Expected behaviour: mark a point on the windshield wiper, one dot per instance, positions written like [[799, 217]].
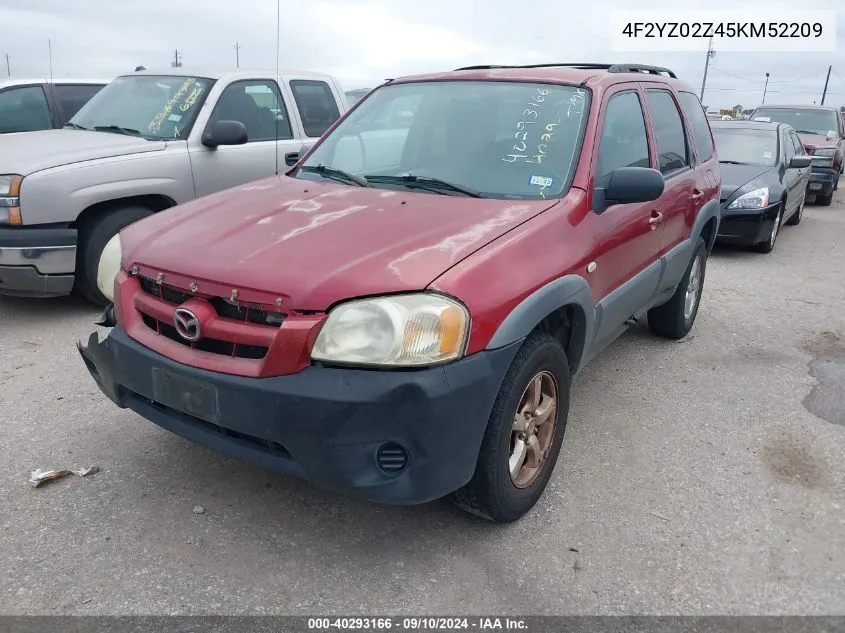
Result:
[[335, 174], [809, 132], [426, 182], [116, 128], [733, 162], [75, 126]]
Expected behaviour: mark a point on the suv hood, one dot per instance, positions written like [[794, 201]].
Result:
[[319, 243], [29, 152]]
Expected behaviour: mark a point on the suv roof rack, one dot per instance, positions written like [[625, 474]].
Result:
[[611, 68]]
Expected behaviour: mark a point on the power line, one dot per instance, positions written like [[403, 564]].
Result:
[[772, 91], [771, 81]]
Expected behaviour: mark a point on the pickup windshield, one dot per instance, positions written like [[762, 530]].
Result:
[[804, 120], [493, 139], [153, 107]]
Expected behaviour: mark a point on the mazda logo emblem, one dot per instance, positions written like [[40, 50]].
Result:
[[187, 324]]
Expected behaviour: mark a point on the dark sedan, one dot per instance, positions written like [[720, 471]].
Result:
[[765, 173]]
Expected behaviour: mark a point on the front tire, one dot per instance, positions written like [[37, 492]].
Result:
[[769, 245], [675, 318], [93, 237], [523, 436]]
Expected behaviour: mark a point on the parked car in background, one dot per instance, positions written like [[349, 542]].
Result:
[[147, 141], [765, 175], [354, 96], [402, 326], [29, 105], [822, 131]]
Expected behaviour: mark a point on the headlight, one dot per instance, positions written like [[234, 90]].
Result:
[[757, 199], [108, 266], [10, 203], [831, 151], [399, 331]]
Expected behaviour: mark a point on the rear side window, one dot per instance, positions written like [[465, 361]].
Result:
[[700, 127], [623, 137], [668, 130], [316, 105], [73, 96], [24, 109]]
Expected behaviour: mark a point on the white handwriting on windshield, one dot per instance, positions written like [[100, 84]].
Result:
[[530, 115]]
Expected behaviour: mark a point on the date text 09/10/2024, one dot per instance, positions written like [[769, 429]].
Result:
[[417, 624]]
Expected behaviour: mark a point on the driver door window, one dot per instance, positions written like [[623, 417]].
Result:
[[259, 106], [24, 109]]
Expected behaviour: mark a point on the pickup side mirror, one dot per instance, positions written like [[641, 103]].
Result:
[[799, 162], [225, 133], [629, 185]]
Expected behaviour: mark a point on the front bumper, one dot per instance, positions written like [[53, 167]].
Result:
[[822, 181], [37, 262], [327, 425], [746, 226]]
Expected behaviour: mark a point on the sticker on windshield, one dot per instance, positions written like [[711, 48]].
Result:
[[542, 181], [768, 156], [764, 119], [175, 118]]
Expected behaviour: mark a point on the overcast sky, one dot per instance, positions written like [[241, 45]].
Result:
[[366, 41]]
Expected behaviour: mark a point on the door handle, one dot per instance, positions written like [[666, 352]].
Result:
[[291, 159], [655, 219]]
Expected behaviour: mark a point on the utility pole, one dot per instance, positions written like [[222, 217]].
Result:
[[765, 88], [177, 63], [824, 94], [237, 55], [710, 53], [8, 67]]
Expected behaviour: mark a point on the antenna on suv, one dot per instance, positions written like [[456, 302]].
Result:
[[278, 37]]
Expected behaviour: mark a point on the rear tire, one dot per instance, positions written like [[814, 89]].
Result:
[[675, 318], [495, 493], [93, 236]]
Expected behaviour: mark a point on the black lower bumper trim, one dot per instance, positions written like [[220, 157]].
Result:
[[323, 424]]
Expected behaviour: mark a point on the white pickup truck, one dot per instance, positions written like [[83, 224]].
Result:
[[146, 142]]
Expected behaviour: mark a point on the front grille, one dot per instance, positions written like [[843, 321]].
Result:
[[211, 345], [223, 308], [169, 297]]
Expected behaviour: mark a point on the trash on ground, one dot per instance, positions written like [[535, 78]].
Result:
[[39, 476], [199, 510]]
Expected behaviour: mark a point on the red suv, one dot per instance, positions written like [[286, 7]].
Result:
[[347, 323]]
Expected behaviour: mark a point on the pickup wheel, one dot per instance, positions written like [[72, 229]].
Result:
[[93, 236], [524, 434], [674, 319]]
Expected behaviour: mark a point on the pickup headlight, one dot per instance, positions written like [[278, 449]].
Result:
[[10, 203], [109, 266], [828, 151], [398, 331], [757, 199]]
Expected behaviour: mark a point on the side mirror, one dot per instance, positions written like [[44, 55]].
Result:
[[799, 162], [629, 185], [225, 133]]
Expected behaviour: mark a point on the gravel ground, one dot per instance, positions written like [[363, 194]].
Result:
[[697, 477]]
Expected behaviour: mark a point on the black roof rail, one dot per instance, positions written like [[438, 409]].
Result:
[[611, 68]]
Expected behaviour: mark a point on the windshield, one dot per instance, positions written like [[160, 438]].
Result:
[[500, 139], [749, 147], [807, 121], [155, 107]]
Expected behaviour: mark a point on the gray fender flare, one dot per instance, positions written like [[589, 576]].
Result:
[[708, 212], [569, 290]]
